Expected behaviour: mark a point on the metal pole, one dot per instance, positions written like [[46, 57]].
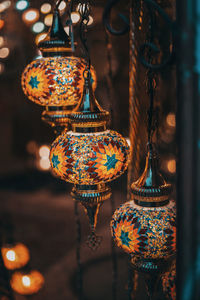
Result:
[[188, 136]]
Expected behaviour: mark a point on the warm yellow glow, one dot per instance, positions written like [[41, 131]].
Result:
[[30, 16], [1, 41], [1, 23], [26, 281], [45, 8], [1, 68], [11, 255], [75, 17], [4, 52], [171, 166], [171, 120], [40, 37], [62, 5], [44, 151], [44, 164], [16, 256], [48, 20], [90, 21]]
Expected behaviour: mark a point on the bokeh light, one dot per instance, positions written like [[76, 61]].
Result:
[[66, 28], [48, 20], [27, 283], [44, 151], [38, 27], [40, 37], [171, 120], [1, 41], [22, 5], [30, 16], [90, 21], [1, 23], [4, 52], [4, 5], [2, 67], [15, 256], [75, 17], [62, 5], [171, 166], [45, 8]]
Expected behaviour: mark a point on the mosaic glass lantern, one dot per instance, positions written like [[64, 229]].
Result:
[[56, 81], [90, 155], [145, 227], [15, 256], [27, 283], [169, 282]]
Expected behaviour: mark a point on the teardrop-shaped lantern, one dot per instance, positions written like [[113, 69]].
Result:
[[56, 81], [90, 155]]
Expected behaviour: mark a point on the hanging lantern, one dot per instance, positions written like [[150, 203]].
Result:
[[56, 81], [27, 283], [145, 227], [15, 256], [169, 283], [90, 155]]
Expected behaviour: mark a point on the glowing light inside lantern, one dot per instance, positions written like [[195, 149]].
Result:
[[171, 120], [75, 16], [38, 27], [4, 52], [10, 255], [30, 16], [45, 8], [48, 20], [22, 4]]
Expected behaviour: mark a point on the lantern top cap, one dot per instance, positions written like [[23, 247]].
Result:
[[151, 189], [57, 40], [88, 113]]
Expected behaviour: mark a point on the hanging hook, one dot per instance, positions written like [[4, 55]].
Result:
[[106, 19]]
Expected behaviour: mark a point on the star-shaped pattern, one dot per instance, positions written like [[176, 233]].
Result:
[[34, 82], [55, 161], [124, 238], [111, 162]]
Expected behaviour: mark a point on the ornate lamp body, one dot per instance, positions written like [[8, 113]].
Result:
[[169, 283], [146, 226], [89, 155], [55, 81]]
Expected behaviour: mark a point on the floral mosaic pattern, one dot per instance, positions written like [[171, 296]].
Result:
[[147, 232], [55, 81], [89, 158]]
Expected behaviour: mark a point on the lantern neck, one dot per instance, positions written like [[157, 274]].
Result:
[[89, 116], [57, 42], [151, 189]]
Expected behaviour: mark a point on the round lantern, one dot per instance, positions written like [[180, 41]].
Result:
[[15, 256], [27, 283], [89, 155], [56, 81], [145, 227], [169, 283]]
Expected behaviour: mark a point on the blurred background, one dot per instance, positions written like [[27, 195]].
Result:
[[35, 207]]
